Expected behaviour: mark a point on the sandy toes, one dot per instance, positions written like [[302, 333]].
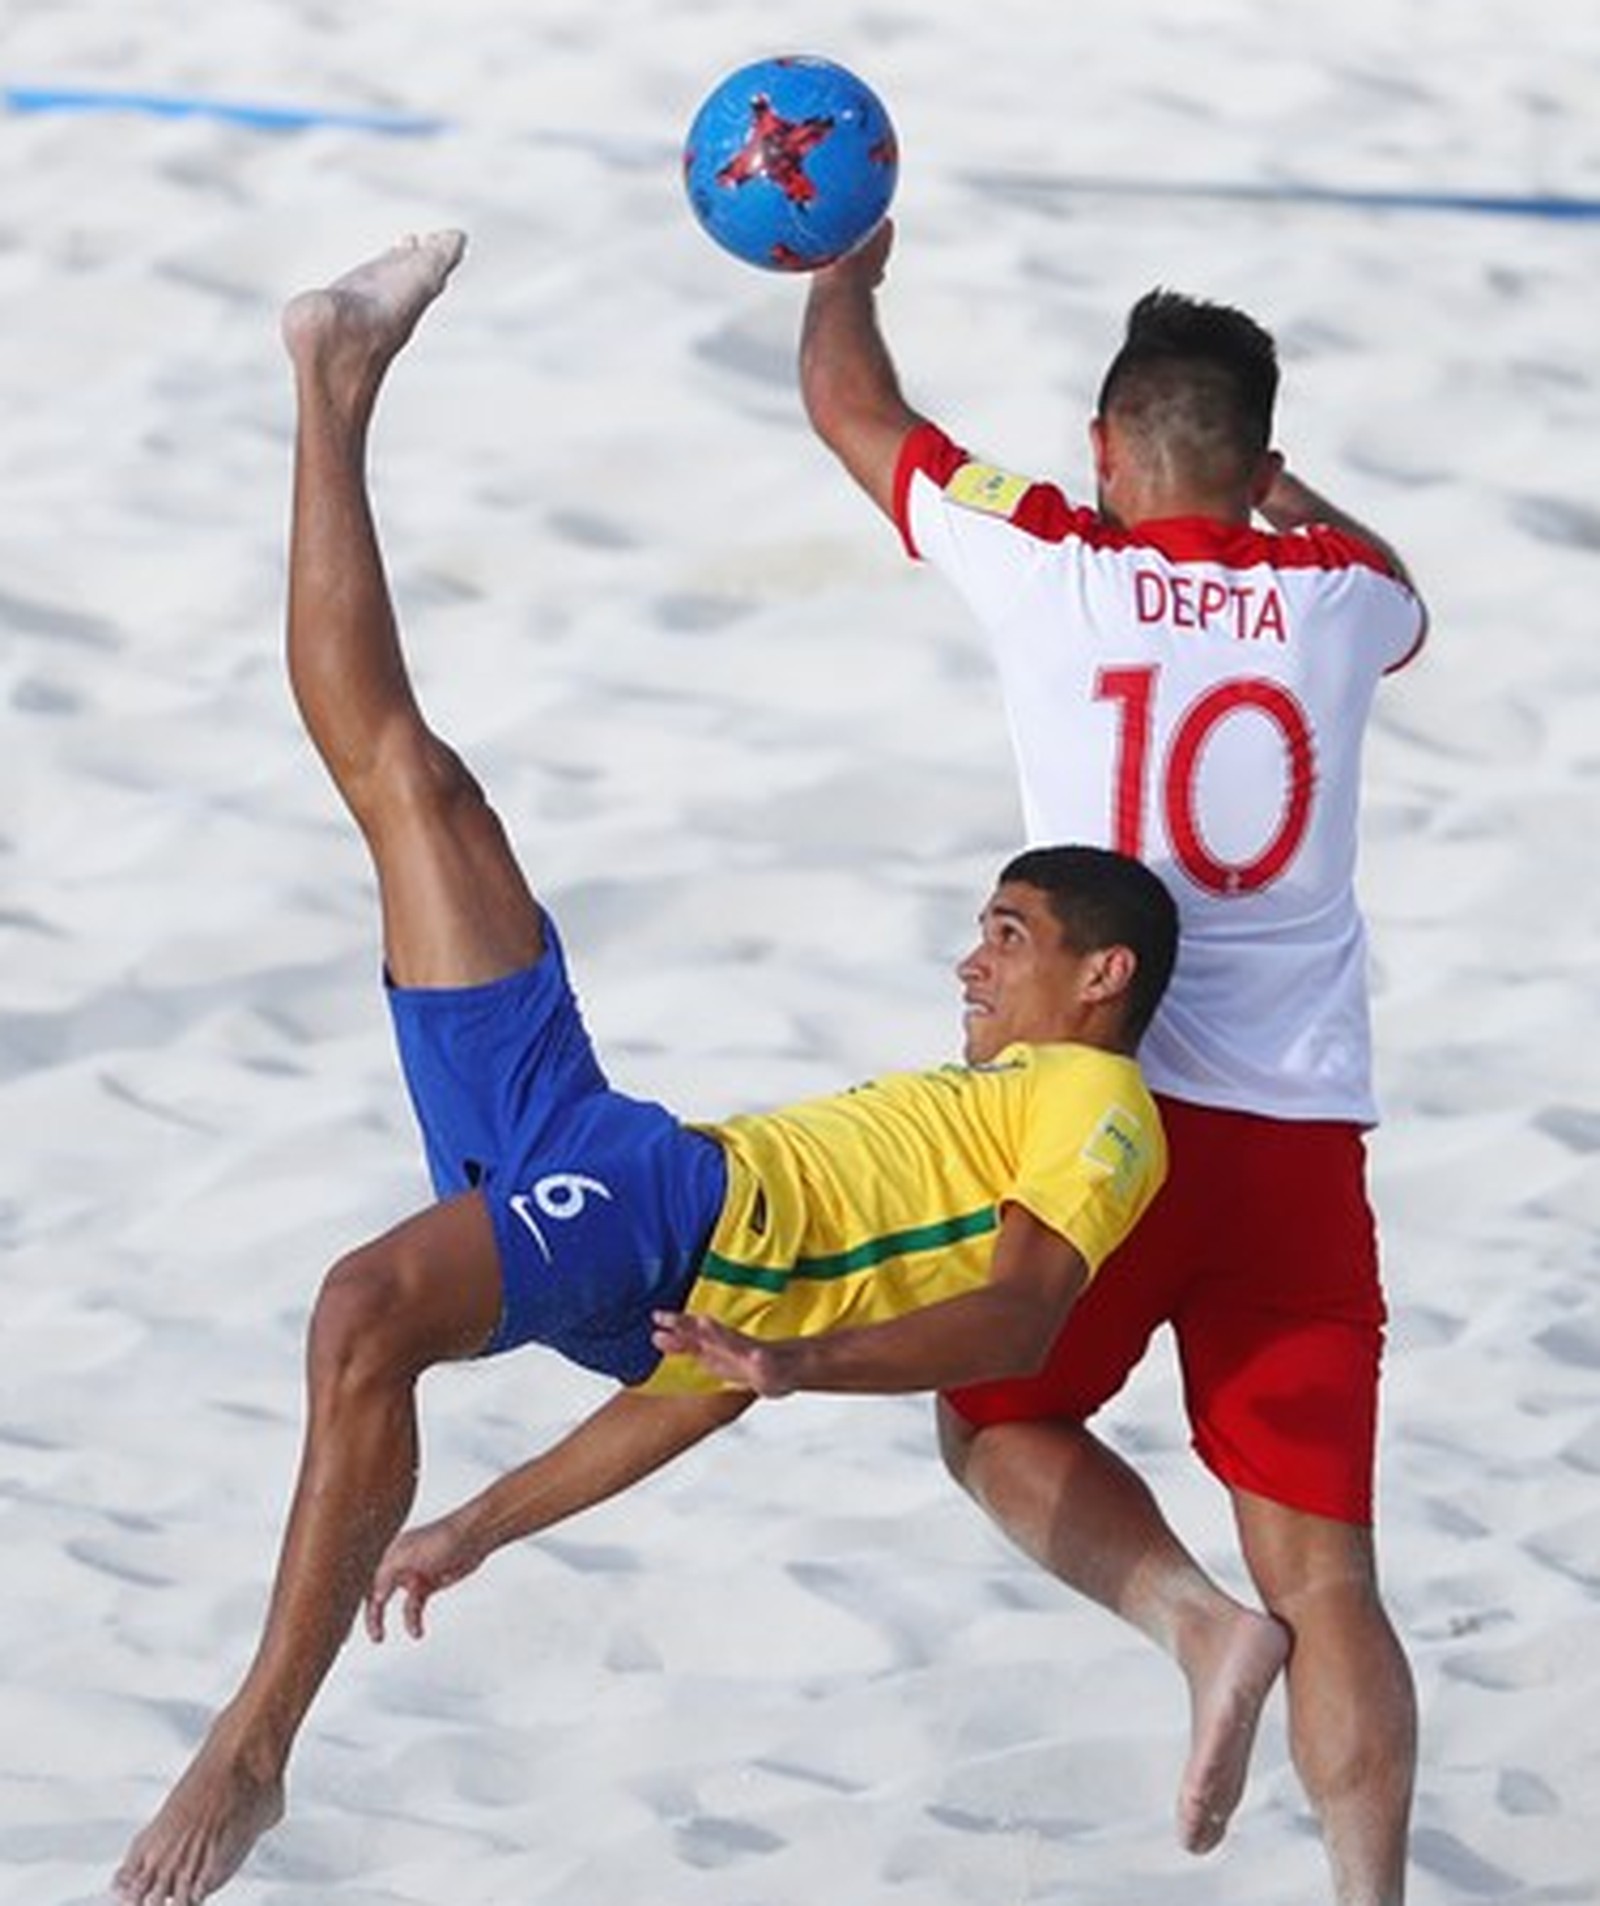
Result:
[[356, 324], [1227, 1702], [201, 1836]]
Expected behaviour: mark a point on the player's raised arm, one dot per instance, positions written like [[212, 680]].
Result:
[[1290, 503], [847, 378], [626, 1439], [1003, 1330]]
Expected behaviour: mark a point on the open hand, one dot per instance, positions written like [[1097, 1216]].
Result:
[[725, 1353], [415, 1566]]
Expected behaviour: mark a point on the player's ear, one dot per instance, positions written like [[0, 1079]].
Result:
[[1110, 972], [1100, 448], [1268, 470]]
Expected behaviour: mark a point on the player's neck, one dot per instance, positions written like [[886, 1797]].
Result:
[[1160, 502]]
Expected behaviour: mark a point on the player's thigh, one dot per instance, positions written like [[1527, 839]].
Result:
[[1286, 1407], [1280, 1333], [457, 907], [427, 1291], [1296, 1559]]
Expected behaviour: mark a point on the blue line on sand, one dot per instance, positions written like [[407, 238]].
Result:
[[1045, 191], [241, 112], [1050, 193]]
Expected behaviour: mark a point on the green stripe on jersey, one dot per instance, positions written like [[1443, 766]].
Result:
[[922, 1237]]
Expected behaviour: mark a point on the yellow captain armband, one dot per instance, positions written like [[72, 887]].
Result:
[[980, 486]]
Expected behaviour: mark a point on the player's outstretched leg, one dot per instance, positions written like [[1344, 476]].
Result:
[[354, 326], [457, 910], [1352, 1702], [1082, 1513], [429, 1291], [345, 662]]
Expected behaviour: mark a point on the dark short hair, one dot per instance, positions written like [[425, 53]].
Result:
[[1199, 379], [1101, 899]]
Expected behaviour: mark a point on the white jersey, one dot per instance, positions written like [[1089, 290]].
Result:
[[1194, 693]]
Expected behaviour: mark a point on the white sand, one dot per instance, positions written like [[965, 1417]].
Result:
[[799, 1667]]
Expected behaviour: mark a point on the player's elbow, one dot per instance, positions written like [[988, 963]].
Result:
[[859, 415], [832, 403], [1026, 1314], [1022, 1344]]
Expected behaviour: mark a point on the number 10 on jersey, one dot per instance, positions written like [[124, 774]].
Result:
[[1174, 781]]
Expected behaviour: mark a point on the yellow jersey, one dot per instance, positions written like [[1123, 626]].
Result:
[[872, 1203]]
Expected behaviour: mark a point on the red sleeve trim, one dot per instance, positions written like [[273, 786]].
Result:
[[1041, 510], [926, 449], [1242, 546]]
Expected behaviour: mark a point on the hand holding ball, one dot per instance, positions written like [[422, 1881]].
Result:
[[790, 163]]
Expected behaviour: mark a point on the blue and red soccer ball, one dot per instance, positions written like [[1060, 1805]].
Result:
[[790, 163]]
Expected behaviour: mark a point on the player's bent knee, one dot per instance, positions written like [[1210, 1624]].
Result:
[[359, 1327], [413, 776], [1315, 1570], [435, 779]]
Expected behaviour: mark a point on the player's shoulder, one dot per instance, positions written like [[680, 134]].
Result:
[[1325, 546], [935, 468], [1067, 1062]]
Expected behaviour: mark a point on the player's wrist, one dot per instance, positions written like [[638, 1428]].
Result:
[[481, 1526], [783, 1367]]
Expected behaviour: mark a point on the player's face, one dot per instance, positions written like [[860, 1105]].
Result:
[[1022, 981]]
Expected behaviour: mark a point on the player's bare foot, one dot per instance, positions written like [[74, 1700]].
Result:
[[346, 333], [202, 1835], [1228, 1688]]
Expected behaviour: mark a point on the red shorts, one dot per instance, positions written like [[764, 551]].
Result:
[[1260, 1251]]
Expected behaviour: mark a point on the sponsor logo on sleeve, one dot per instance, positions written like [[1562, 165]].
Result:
[[1116, 1145], [980, 486]]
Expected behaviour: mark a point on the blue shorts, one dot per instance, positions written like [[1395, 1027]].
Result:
[[601, 1204]]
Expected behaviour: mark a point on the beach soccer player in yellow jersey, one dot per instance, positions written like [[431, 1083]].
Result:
[[919, 1231]]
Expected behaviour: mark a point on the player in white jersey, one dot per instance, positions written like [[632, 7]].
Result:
[[1196, 695], [1192, 688]]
